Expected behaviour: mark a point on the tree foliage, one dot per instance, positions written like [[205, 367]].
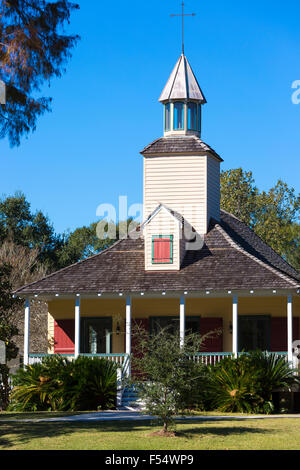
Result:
[[84, 241], [273, 215], [33, 50], [23, 227], [18, 224], [8, 329], [164, 374]]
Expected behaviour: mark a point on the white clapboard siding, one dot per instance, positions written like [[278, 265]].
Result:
[[213, 189], [188, 185]]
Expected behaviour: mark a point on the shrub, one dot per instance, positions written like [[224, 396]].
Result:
[[231, 386], [57, 384], [274, 373], [246, 384], [165, 376]]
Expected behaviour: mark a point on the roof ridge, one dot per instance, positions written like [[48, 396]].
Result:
[[178, 65], [265, 243], [273, 269]]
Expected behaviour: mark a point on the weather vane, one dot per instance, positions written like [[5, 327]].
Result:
[[183, 15]]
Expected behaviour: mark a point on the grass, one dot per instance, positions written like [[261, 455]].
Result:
[[256, 434]]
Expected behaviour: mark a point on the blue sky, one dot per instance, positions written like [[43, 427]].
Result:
[[105, 109]]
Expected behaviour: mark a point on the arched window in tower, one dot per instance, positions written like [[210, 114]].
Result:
[[178, 115], [168, 117], [192, 117]]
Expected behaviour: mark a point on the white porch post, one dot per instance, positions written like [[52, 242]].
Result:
[[26, 332], [77, 327], [290, 328], [235, 326], [128, 332], [182, 321], [128, 325]]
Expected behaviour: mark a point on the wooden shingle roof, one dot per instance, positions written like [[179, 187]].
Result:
[[233, 257], [183, 144]]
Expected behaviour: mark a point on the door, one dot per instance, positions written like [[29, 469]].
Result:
[[96, 335], [254, 332], [192, 324], [214, 343], [140, 325]]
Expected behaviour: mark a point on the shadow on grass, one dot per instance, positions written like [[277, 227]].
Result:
[[18, 433], [222, 431]]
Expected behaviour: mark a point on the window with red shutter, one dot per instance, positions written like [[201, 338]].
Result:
[[162, 249], [64, 337]]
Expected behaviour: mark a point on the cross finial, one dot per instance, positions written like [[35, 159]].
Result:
[[183, 15]]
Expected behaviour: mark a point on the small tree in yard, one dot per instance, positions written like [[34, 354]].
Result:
[[164, 374], [8, 330]]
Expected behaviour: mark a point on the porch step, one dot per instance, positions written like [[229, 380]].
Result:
[[130, 400]]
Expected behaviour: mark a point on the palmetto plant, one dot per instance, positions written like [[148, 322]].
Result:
[[34, 389], [58, 384], [91, 385], [246, 384], [232, 386], [273, 373]]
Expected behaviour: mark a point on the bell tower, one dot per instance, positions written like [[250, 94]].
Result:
[[181, 174], [182, 99]]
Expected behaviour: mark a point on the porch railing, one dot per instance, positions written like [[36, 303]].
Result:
[[214, 358], [124, 363], [210, 358], [120, 359]]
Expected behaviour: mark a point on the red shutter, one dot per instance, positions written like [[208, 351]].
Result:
[[214, 343], [279, 333], [64, 337], [162, 250]]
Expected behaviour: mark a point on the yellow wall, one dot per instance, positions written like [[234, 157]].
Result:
[[145, 308], [115, 308]]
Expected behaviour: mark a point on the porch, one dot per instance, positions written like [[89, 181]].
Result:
[[123, 359], [102, 326]]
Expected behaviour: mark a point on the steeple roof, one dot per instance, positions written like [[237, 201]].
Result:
[[182, 84]]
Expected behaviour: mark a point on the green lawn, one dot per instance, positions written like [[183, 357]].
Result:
[[258, 434]]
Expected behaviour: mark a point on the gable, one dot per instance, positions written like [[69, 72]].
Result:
[[162, 233]]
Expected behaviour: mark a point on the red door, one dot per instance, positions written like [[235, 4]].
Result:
[[279, 333], [64, 337], [143, 324], [215, 342]]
